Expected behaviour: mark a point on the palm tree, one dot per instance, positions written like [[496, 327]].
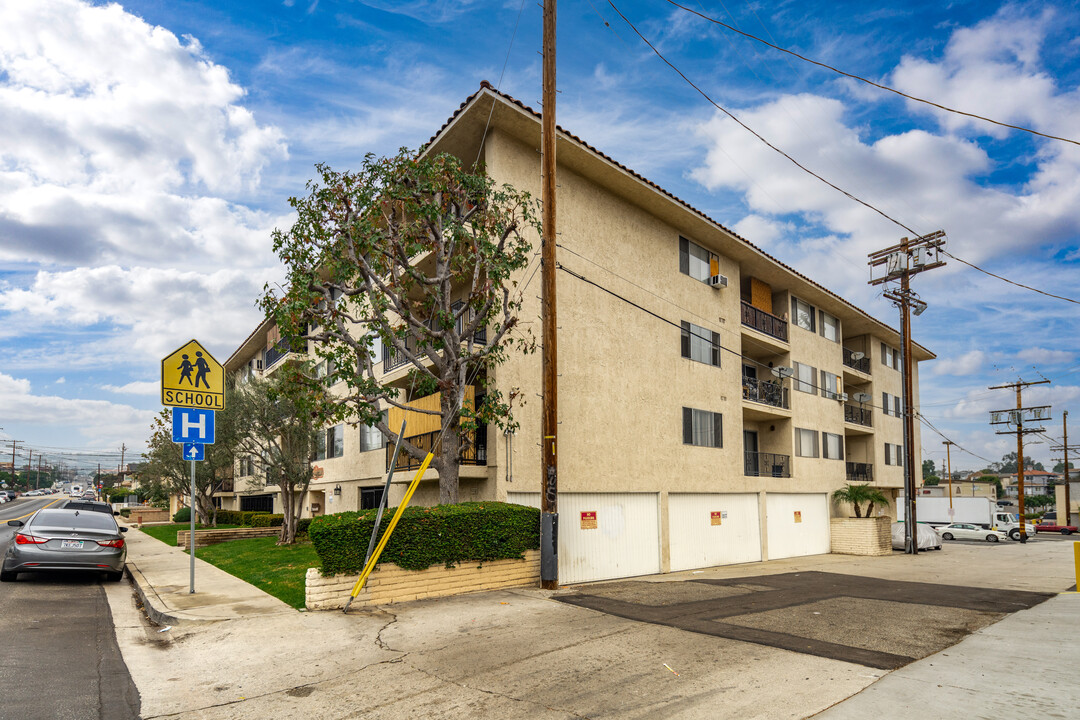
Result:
[[858, 494]]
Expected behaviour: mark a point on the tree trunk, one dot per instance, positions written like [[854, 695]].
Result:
[[291, 512], [855, 505], [449, 452]]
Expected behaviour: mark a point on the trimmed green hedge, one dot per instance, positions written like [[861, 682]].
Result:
[[182, 515], [426, 536]]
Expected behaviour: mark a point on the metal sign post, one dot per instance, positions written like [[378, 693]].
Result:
[[191, 536]]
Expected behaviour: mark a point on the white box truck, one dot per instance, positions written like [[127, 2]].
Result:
[[978, 511]]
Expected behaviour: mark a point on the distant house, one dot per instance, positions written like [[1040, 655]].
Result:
[[1036, 482], [961, 488]]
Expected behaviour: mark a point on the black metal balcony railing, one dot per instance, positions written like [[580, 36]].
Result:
[[862, 364], [276, 353], [392, 358], [860, 472], [858, 415], [760, 464], [473, 449], [764, 322], [765, 391]]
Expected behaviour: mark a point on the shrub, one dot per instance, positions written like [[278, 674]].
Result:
[[267, 520], [125, 512], [182, 515], [444, 534]]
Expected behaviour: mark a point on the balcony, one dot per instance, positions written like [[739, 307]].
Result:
[[765, 391], [275, 354], [764, 322], [473, 449], [760, 464], [860, 473], [393, 359], [862, 364], [858, 415]]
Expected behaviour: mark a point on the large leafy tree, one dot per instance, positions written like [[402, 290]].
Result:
[[419, 256], [170, 473], [280, 431]]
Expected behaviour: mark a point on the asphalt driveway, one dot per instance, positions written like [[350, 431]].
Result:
[[870, 621]]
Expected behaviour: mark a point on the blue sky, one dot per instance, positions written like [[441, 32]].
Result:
[[149, 148]]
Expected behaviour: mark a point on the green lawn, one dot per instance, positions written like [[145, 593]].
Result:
[[277, 570], [167, 533]]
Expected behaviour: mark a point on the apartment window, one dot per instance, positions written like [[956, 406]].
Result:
[[376, 348], [247, 466], [696, 261], [803, 314], [890, 357], [700, 344], [370, 498], [830, 327], [804, 379], [830, 385], [894, 454], [331, 443], [806, 443], [890, 405], [325, 371], [832, 446], [371, 438], [703, 428]]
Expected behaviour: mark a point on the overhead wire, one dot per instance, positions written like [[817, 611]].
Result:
[[880, 86], [802, 167]]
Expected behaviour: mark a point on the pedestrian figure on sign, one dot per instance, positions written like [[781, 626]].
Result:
[[204, 367], [185, 370]]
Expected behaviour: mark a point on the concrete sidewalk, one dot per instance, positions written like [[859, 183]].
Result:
[[161, 574], [1026, 662]]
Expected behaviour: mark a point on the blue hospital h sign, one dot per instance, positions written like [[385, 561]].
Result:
[[193, 425]]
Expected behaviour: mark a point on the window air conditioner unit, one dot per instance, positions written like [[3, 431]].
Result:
[[843, 397], [718, 281]]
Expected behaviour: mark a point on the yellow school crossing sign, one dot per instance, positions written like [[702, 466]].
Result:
[[192, 378]]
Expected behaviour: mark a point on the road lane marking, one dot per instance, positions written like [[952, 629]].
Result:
[[40, 508]]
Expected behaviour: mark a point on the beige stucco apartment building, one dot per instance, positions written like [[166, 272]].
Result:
[[710, 397]]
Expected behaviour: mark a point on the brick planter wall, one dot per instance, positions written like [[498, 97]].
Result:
[[213, 537], [862, 536], [389, 584]]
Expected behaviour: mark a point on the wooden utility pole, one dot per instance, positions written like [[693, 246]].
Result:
[[948, 470], [37, 482], [1064, 448], [902, 261], [549, 469], [1018, 418], [29, 465]]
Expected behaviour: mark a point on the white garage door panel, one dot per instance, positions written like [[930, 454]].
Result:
[[696, 542], [625, 542], [790, 538]]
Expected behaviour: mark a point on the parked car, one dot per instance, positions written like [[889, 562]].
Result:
[[1049, 518], [925, 536], [9, 494], [91, 505], [968, 531], [1045, 526], [58, 540], [1004, 503]]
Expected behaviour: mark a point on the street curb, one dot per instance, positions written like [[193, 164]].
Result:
[[150, 600]]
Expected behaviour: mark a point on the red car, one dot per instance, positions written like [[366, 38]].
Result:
[[1053, 527]]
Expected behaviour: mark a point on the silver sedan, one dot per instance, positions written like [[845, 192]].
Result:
[[56, 540], [968, 531]]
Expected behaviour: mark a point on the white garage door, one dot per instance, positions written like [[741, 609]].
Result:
[[797, 524], [708, 529], [604, 535]]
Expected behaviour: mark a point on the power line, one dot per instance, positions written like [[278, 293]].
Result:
[[754, 132], [1011, 282], [807, 170], [803, 383], [871, 82]]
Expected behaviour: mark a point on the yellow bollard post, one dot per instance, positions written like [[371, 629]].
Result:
[[1076, 561]]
